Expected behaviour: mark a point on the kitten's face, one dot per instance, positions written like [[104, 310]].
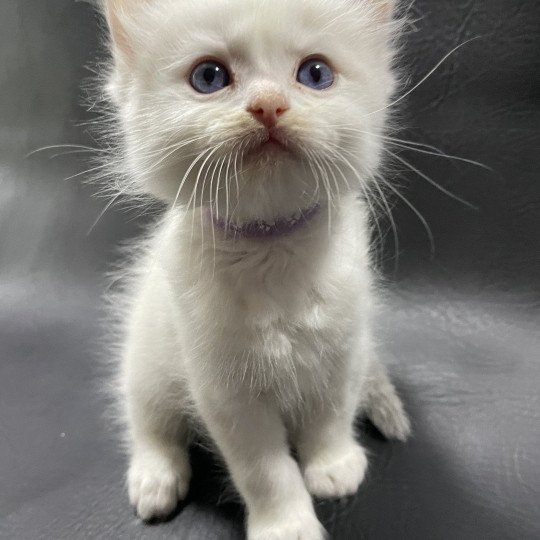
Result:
[[260, 107]]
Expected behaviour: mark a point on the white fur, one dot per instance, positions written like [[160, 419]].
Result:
[[266, 343]]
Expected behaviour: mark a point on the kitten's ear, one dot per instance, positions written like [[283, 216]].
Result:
[[119, 14], [382, 10], [385, 8]]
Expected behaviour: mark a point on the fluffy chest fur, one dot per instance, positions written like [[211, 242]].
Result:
[[269, 315]]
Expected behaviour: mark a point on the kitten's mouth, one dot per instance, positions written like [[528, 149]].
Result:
[[270, 143]]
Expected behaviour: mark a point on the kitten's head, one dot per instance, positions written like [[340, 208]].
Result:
[[259, 107]]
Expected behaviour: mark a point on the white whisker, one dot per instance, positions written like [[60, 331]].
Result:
[[102, 213], [75, 147], [422, 219], [423, 148], [426, 77], [432, 182]]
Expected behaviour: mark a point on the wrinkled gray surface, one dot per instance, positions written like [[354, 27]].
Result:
[[460, 332]]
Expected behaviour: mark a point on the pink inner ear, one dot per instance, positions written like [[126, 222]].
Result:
[[385, 8], [114, 8]]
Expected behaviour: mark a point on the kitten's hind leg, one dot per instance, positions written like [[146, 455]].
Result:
[[382, 404]]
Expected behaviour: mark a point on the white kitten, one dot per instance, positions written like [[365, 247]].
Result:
[[259, 122]]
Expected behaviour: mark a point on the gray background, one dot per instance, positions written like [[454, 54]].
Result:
[[460, 330]]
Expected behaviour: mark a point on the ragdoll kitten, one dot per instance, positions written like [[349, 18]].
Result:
[[259, 122]]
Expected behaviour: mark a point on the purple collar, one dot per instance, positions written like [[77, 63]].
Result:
[[267, 229]]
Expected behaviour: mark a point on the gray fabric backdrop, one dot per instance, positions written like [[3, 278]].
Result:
[[460, 331]]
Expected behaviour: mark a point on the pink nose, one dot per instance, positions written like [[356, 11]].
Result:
[[268, 108]]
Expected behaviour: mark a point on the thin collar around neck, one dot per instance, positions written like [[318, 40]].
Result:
[[266, 229]]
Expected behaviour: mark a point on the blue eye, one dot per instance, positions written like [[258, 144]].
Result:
[[316, 74], [210, 77]]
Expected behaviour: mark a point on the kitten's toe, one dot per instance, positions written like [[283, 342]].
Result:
[[336, 473], [156, 485]]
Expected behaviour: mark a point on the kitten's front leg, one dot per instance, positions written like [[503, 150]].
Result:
[[333, 462], [159, 470], [252, 438]]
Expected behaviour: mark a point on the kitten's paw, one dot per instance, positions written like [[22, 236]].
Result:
[[156, 484], [387, 413], [290, 526], [336, 473]]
